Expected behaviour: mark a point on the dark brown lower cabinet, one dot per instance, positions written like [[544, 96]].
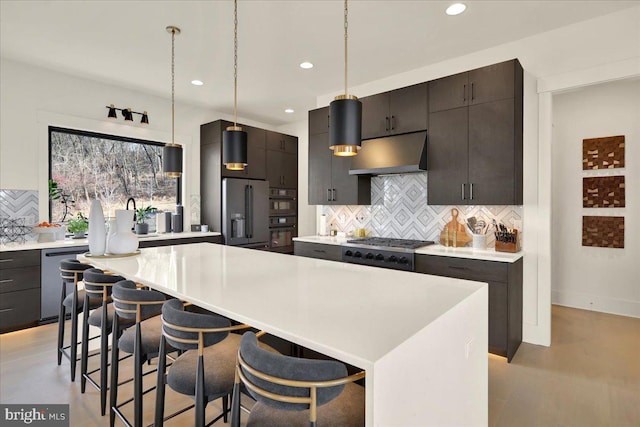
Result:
[[318, 250], [505, 294], [19, 289]]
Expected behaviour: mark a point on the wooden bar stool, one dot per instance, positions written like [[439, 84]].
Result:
[[291, 391], [205, 370], [98, 284], [144, 306], [71, 273]]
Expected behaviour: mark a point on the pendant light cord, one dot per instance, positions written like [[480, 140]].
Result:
[[235, 62], [346, 36], [173, 83]]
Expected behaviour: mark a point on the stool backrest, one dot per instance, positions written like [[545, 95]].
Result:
[[131, 302], [98, 283], [71, 270], [185, 330], [288, 377]]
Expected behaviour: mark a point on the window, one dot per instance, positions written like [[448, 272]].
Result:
[[89, 166]]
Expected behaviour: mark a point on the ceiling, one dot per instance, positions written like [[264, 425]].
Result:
[[125, 43]]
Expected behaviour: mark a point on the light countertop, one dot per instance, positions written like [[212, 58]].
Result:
[[465, 252], [387, 322], [69, 242]]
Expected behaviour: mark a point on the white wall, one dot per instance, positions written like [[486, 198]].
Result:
[[601, 279], [34, 98], [600, 49]]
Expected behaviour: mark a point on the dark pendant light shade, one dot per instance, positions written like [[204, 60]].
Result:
[[345, 125], [128, 117], [172, 160], [234, 148], [112, 112], [145, 118]]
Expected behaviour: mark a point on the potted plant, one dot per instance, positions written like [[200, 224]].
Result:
[[78, 226], [141, 215]]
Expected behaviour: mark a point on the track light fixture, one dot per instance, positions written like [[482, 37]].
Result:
[[127, 114]]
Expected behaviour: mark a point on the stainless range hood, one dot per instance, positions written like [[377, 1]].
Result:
[[393, 154]]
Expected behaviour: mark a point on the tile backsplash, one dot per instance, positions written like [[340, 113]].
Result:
[[399, 209], [18, 212]]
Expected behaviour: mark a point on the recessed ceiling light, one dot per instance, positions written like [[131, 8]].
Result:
[[289, 110], [306, 65], [197, 82], [456, 9]]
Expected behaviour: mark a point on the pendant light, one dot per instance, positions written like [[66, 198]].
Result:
[[345, 123], [234, 139], [172, 153]]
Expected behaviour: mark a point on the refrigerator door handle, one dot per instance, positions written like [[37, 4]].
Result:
[[249, 211]]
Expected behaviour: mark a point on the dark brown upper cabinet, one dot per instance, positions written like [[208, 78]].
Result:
[[319, 121], [282, 160], [395, 112], [486, 84], [329, 179], [474, 148]]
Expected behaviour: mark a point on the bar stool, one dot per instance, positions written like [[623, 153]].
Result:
[[291, 391], [143, 340], [71, 272], [210, 349], [98, 284]]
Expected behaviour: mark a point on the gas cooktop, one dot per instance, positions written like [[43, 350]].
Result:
[[385, 242]]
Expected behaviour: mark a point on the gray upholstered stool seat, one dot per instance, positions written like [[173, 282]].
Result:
[[345, 410], [219, 366], [93, 302], [151, 332], [95, 318]]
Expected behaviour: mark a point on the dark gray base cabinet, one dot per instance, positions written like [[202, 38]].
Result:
[[19, 289], [318, 250], [505, 294]]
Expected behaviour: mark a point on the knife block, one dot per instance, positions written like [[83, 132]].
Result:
[[509, 246]]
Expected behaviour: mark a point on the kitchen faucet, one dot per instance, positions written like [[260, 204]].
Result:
[[131, 199]]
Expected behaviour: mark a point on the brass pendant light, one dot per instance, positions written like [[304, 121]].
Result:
[[172, 153], [345, 123], [234, 139]]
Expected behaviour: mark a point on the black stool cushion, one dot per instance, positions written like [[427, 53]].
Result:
[[151, 331], [73, 265], [345, 410], [174, 314]]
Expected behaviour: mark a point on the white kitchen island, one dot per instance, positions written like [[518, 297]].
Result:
[[421, 339]]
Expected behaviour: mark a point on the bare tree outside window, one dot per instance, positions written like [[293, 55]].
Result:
[[91, 166]]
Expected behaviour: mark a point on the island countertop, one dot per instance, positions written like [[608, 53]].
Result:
[[70, 242], [358, 314]]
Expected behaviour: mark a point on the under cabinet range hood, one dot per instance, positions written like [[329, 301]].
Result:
[[393, 154]]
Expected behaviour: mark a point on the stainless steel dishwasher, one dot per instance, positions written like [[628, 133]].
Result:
[[50, 279]]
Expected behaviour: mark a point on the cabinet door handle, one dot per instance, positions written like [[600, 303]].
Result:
[[463, 196], [334, 195], [6, 281], [328, 121], [393, 122], [386, 120], [471, 191], [472, 92], [6, 260], [464, 93], [328, 194], [4, 310]]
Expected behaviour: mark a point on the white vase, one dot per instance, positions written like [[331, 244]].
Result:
[[112, 228], [97, 238], [123, 241]]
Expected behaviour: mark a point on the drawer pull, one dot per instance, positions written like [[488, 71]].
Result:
[[458, 268], [322, 251], [6, 260], [4, 310], [6, 281]]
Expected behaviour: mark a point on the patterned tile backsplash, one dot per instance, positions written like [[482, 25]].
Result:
[[21, 205], [399, 209]]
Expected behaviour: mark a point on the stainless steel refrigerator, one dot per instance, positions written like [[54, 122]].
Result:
[[245, 212]]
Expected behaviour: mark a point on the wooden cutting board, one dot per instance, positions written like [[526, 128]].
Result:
[[454, 233]]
